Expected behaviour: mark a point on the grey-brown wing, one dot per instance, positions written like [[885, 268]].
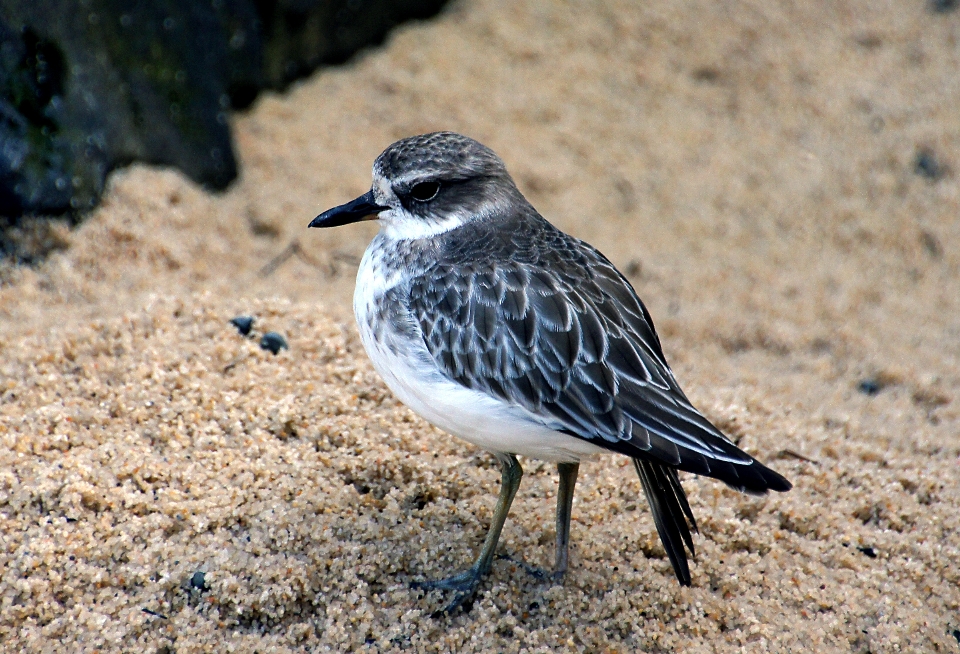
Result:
[[576, 348]]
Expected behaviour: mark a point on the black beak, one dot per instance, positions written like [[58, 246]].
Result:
[[360, 209]]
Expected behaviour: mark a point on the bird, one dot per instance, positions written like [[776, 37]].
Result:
[[502, 330]]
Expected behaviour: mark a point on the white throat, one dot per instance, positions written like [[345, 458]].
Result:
[[398, 225]]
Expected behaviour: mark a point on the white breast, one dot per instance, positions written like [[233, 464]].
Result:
[[410, 372]]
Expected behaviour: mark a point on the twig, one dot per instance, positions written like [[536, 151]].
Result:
[[346, 257], [294, 249], [797, 455]]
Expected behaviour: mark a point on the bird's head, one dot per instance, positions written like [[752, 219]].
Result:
[[429, 184]]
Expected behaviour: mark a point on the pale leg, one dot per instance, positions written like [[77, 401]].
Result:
[[568, 481], [465, 583]]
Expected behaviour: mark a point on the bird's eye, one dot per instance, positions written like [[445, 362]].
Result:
[[425, 191]]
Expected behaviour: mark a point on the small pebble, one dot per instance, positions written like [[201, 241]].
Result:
[[942, 7], [869, 387], [198, 581], [931, 244], [274, 342], [243, 324], [926, 165], [869, 551]]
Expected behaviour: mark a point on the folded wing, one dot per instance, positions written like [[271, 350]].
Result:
[[569, 341]]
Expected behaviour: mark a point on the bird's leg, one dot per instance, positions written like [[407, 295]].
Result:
[[568, 481], [465, 583]]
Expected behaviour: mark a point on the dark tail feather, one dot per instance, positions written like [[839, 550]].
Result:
[[670, 509]]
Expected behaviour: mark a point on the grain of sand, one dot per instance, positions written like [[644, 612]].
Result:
[[752, 166]]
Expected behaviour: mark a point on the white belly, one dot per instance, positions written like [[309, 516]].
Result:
[[410, 372]]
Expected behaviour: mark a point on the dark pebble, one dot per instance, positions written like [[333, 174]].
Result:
[[274, 342], [869, 551], [198, 581], [942, 7], [931, 244], [706, 74], [926, 165], [956, 634], [869, 387], [243, 324]]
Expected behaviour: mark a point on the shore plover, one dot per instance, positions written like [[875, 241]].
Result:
[[498, 328]]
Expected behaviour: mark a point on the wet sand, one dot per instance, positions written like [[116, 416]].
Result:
[[753, 168]]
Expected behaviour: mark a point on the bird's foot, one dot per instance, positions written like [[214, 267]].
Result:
[[464, 586]]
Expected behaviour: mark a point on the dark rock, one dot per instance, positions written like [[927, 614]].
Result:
[[869, 386], [931, 244], [95, 85], [243, 324], [88, 86], [926, 165], [869, 551], [706, 74], [274, 342], [198, 581], [942, 7], [299, 35]]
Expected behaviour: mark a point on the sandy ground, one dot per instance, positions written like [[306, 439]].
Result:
[[751, 166]]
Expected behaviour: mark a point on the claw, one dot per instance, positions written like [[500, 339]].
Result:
[[464, 581], [464, 584]]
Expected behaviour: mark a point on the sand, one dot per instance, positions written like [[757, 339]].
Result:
[[751, 166]]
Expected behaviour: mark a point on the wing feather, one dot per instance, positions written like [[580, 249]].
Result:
[[563, 335]]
